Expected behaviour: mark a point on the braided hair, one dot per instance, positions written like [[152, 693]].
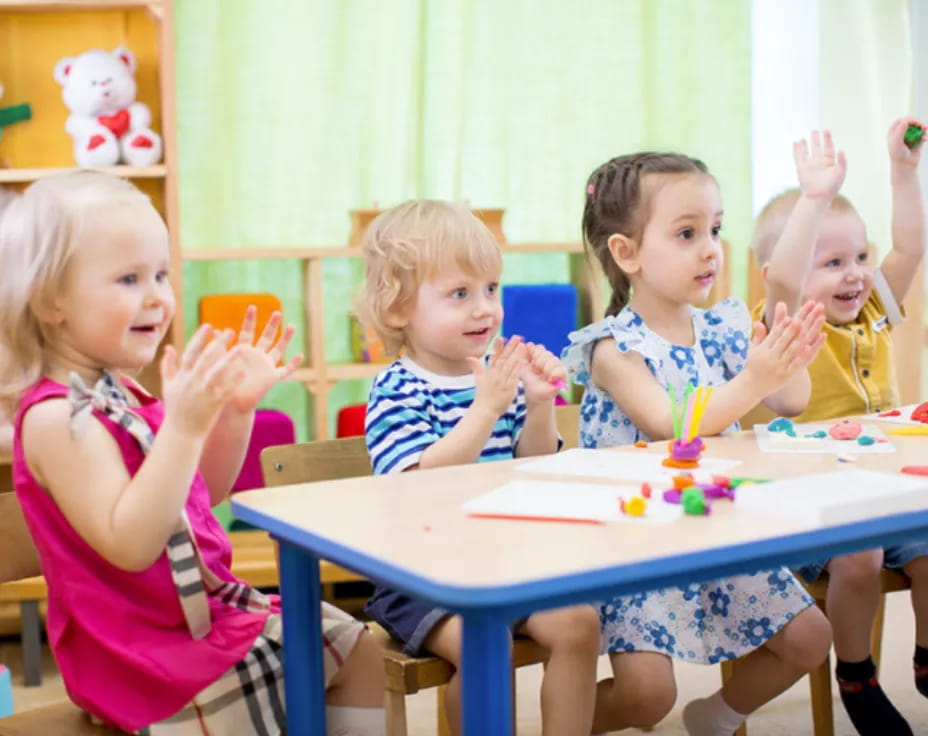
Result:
[[614, 204]]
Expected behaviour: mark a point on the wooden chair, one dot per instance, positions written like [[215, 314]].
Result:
[[20, 580], [567, 418], [347, 458]]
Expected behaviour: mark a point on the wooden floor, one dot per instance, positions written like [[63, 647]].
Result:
[[786, 716]]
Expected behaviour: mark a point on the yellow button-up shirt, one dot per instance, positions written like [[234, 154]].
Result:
[[855, 371]]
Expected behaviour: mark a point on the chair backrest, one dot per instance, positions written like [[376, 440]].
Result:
[[567, 418], [18, 556], [307, 462]]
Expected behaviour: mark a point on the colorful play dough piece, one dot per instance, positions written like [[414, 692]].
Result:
[[784, 425], [891, 413], [920, 413], [817, 434], [846, 430], [693, 501], [865, 440], [635, 506], [913, 136], [915, 469]]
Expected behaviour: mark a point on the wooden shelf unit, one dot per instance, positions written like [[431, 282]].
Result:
[[34, 35], [318, 375]]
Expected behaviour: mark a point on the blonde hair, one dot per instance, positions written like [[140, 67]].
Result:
[[771, 221], [38, 232], [407, 244]]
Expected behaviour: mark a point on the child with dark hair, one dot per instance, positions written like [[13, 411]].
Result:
[[653, 221]]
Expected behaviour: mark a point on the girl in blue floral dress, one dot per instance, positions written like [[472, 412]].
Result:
[[653, 222]]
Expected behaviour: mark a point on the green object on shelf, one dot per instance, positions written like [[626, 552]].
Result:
[[913, 136], [13, 114]]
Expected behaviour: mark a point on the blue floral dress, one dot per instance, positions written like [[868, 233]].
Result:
[[700, 622]]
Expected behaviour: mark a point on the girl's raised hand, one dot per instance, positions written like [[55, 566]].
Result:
[[821, 171], [497, 383], [197, 385], [542, 376], [259, 362], [899, 152]]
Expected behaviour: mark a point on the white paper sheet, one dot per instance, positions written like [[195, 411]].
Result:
[[769, 441], [553, 501], [904, 418], [836, 498], [617, 465]]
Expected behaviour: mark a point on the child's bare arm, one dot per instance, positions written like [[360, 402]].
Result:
[[821, 172], [128, 520], [793, 396], [540, 378], [908, 226], [227, 442], [496, 387], [773, 361]]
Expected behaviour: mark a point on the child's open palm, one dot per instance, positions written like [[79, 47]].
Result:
[[259, 362], [790, 345], [541, 374], [496, 383], [200, 382], [820, 169]]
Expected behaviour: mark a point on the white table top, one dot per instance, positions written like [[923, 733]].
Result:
[[413, 522]]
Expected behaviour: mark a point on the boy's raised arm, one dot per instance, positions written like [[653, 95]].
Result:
[[821, 173], [908, 225]]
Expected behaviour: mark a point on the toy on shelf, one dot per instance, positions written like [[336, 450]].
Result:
[[686, 447], [13, 113], [914, 135], [107, 124], [366, 346]]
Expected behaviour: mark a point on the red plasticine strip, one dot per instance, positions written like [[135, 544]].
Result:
[[915, 469], [893, 413], [520, 517]]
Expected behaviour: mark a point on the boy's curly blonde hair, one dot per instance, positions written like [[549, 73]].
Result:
[[408, 244]]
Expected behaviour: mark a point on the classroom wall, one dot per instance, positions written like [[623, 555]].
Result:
[[501, 104], [509, 105]]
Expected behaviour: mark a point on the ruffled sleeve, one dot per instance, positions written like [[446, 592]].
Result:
[[629, 333], [725, 335]]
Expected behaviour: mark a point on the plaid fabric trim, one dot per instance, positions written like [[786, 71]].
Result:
[[192, 578], [249, 697]]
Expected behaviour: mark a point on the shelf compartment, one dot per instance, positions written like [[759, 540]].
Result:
[[24, 176]]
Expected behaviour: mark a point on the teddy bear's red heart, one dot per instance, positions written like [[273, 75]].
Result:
[[118, 123]]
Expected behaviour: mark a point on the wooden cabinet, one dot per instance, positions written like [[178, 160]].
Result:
[[34, 35]]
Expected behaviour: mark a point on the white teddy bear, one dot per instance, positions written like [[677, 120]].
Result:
[[106, 123]]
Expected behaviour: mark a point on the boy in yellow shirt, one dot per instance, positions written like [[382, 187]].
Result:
[[852, 374]]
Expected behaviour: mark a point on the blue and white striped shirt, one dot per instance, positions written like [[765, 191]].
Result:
[[411, 408]]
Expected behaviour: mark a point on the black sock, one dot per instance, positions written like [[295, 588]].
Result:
[[921, 669], [865, 702]]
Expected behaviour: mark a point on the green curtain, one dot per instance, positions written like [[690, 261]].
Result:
[[291, 114]]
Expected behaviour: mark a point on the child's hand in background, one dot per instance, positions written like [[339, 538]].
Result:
[[259, 363], [899, 153], [791, 344], [541, 374], [498, 381], [821, 171]]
